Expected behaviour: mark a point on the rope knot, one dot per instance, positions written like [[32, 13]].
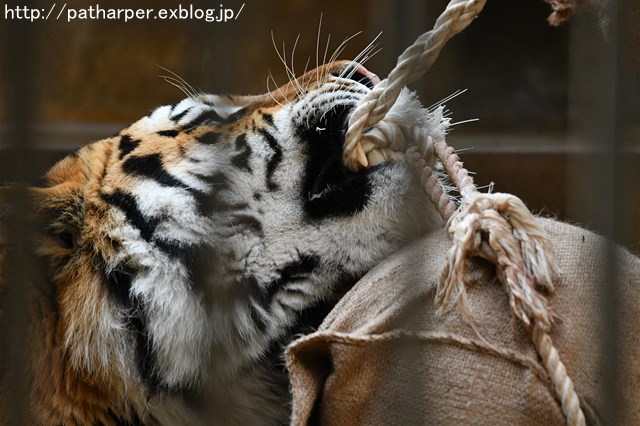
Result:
[[499, 228]]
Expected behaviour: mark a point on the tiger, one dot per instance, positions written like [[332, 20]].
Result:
[[183, 254]]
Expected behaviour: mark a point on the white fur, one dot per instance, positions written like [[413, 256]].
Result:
[[208, 342]]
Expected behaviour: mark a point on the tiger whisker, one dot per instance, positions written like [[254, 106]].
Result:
[[270, 92], [340, 49], [176, 83], [324, 58], [342, 46], [182, 81], [446, 99], [293, 52], [362, 53], [362, 61], [370, 55], [290, 74], [318, 49], [360, 58], [306, 66], [278, 86]]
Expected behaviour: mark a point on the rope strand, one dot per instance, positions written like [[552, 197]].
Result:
[[412, 64], [497, 227]]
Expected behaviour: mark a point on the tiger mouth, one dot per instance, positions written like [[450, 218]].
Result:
[[330, 189], [376, 154]]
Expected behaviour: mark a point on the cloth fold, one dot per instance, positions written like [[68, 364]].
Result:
[[383, 356]]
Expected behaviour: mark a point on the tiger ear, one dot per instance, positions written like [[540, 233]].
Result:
[[229, 106]]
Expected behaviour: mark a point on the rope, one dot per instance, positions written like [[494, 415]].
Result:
[[412, 64], [480, 346], [432, 185], [497, 227], [563, 384]]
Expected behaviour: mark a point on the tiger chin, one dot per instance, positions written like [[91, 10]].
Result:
[[183, 254]]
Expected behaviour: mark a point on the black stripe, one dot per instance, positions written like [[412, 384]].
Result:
[[129, 206], [145, 359], [169, 133], [211, 116], [209, 138], [247, 221], [268, 118], [196, 258], [150, 166], [236, 115], [212, 202], [328, 188], [257, 299], [241, 160], [292, 272], [299, 270], [295, 271], [308, 320], [257, 317], [275, 159], [119, 283], [127, 145], [202, 262], [179, 116]]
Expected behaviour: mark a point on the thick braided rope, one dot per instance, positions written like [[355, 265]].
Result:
[[412, 64], [562, 383], [499, 228], [432, 185]]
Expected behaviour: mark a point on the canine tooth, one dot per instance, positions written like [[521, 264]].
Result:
[[361, 157], [368, 146], [376, 157]]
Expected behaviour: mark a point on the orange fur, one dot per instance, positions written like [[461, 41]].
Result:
[[62, 393], [63, 390]]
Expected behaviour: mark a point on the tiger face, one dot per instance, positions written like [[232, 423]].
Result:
[[188, 250]]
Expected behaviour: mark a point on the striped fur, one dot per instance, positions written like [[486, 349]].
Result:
[[186, 251]]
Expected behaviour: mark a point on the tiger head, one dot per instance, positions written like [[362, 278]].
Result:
[[187, 250]]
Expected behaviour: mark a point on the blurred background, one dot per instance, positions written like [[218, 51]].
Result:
[[557, 108]]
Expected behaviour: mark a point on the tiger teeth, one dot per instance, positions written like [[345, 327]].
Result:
[[368, 154], [375, 157], [381, 155], [368, 146], [361, 157]]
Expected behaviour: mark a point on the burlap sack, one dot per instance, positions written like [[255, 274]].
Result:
[[383, 356]]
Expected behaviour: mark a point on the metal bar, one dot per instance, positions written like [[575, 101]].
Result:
[[19, 92], [601, 104], [620, 106]]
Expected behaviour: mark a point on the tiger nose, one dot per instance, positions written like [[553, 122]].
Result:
[[366, 74], [356, 72]]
